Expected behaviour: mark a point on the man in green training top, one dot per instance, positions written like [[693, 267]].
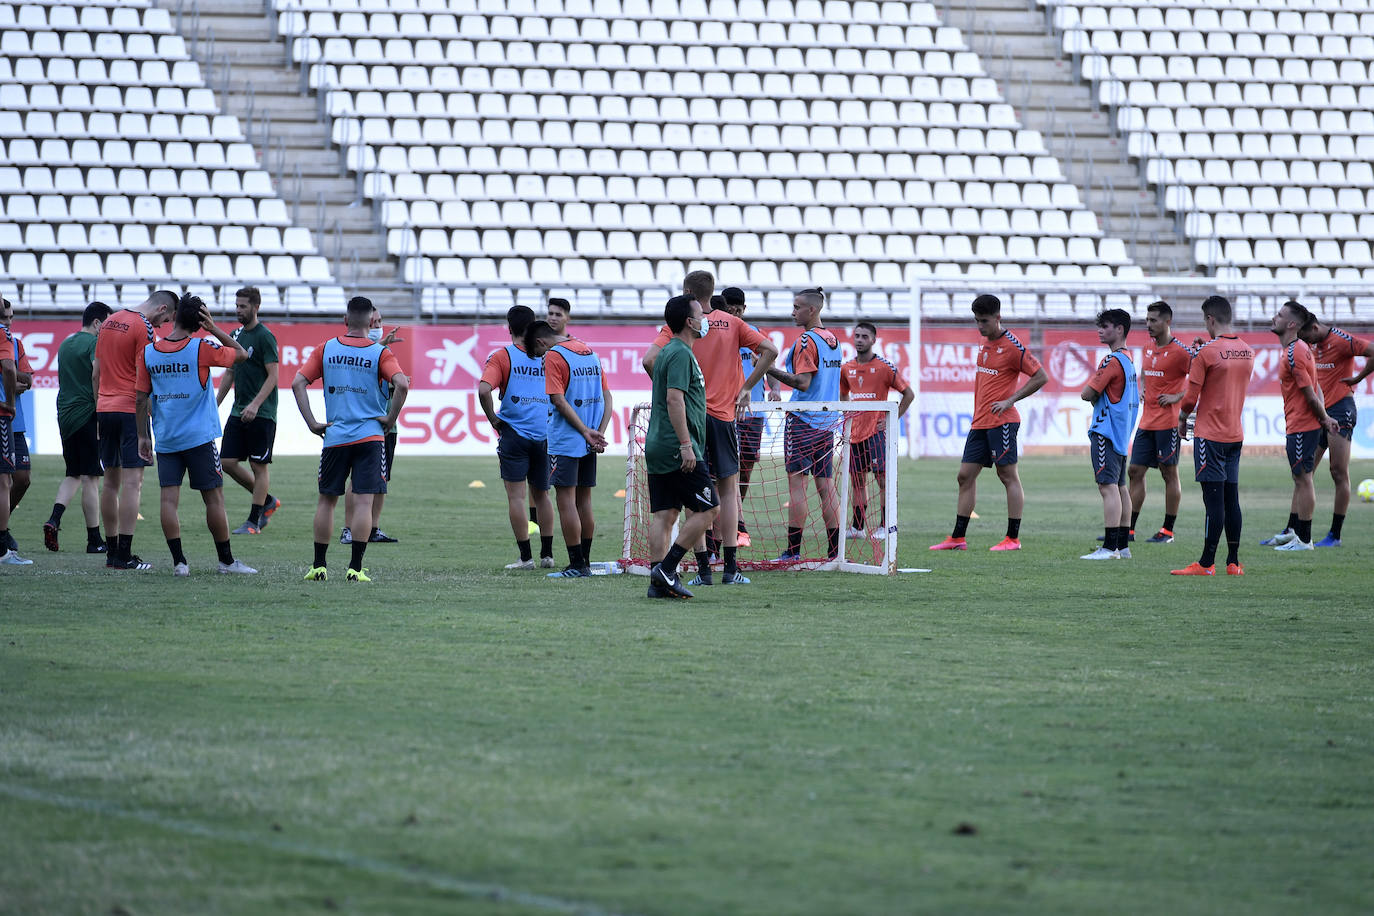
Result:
[[76, 423], [252, 428]]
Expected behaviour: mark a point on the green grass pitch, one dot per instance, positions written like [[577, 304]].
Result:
[[1008, 733]]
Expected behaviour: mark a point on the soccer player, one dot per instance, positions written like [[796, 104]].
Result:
[[1304, 420], [1164, 379], [579, 412], [813, 373], [252, 428], [357, 417], [173, 384], [1218, 378], [113, 373], [77, 426], [23, 408], [558, 313], [1002, 359], [869, 377], [749, 426], [1115, 395], [377, 334], [727, 392], [521, 429], [1335, 351], [675, 446], [9, 374]]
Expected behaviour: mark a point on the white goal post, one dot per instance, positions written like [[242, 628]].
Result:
[[865, 488]]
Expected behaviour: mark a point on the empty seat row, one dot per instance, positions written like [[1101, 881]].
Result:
[[145, 209], [1234, 199], [226, 182], [115, 125], [119, 153], [1204, 18], [133, 17], [1257, 225], [187, 267], [1302, 132], [1294, 252], [94, 71], [297, 298], [169, 99], [1204, 93], [1217, 44], [1272, 172], [1184, 67], [107, 45], [667, 10], [167, 237]]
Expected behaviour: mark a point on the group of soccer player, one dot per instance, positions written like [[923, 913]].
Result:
[[128, 399], [1207, 382]]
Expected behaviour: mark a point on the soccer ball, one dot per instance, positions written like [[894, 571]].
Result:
[[1366, 489], [534, 526]]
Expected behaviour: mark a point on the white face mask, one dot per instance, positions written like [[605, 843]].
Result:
[[705, 327], [374, 335]]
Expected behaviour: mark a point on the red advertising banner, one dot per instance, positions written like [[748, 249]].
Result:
[[1071, 357]]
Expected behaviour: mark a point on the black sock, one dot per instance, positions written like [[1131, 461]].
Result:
[[730, 566], [57, 510], [359, 548], [1109, 537], [174, 545], [1304, 530], [703, 563], [740, 527], [524, 547], [960, 525], [226, 555], [586, 551], [1123, 537], [1336, 522], [1214, 500], [1231, 499], [794, 536], [860, 517], [1169, 521], [674, 557], [126, 546], [574, 555], [1013, 528], [255, 514], [1134, 516], [534, 515], [4, 541], [1292, 522], [832, 542], [93, 536], [546, 546], [320, 550], [712, 544], [267, 499]]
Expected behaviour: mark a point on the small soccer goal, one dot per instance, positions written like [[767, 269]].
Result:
[[806, 466]]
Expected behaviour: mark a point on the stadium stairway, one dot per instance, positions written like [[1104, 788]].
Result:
[[245, 63], [1037, 78]]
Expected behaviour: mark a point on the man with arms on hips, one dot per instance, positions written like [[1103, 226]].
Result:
[[727, 392], [252, 428], [173, 385], [521, 429], [1002, 360], [377, 334], [675, 446], [1304, 421], [9, 383], [812, 371], [77, 426], [1115, 396], [869, 377], [357, 418], [1218, 379], [1163, 381], [23, 409], [749, 426], [113, 373], [1335, 352], [579, 411]]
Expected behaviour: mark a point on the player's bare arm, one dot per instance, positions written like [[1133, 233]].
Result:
[[11, 383], [145, 435], [1036, 382], [226, 384], [1166, 400], [269, 385], [651, 357], [908, 398], [765, 354], [215, 331], [798, 381], [1090, 394], [594, 438], [677, 415], [95, 374], [489, 407], [1364, 373], [400, 388], [299, 387], [1314, 400]]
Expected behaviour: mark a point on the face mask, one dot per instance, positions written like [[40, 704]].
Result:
[[374, 335], [705, 327]]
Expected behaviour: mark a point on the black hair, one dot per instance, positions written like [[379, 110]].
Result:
[[718, 302], [986, 305], [188, 312], [538, 330], [251, 294], [677, 311], [561, 303], [165, 298], [1162, 308], [733, 295], [518, 319], [96, 311], [1119, 317], [872, 328], [1218, 308], [359, 307], [814, 296], [1300, 312]]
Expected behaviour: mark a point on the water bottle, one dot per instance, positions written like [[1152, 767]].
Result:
[[606, 568]]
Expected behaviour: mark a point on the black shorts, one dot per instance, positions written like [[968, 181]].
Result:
[[682, 490], [81, 451], [1302, 450], [1216, 462], [119, 440], [523, 459], [201, 464], [1155, 448], [1109, 465], [365, 461], [6, 445], [987, 447], [750, 432], [249, 441], [571, 471], [389, 450], [807, 449], [22, 462], [1344, 413], [870, 455], [722, 447]]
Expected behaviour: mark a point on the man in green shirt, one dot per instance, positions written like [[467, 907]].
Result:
[[675, 448], [252, 427], [77, 424]]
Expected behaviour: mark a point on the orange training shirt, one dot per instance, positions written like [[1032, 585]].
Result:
[[1217, 382]]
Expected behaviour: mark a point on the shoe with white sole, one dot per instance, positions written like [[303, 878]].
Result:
[[1296, 544], [1283, 537], [1101, 553], [521, 564], [238, 566], [181, 570]]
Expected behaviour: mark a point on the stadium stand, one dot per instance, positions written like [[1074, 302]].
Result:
[[118, 171]]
